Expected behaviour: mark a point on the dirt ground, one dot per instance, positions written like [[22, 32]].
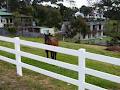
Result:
[[114, 48], [10, 81]]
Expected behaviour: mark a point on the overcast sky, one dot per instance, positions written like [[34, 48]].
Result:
[[79, 3]]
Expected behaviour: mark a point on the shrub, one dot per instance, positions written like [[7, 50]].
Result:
[[12, 30]]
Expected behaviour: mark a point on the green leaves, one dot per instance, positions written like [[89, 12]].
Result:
[[47, 16], [79, 25], [39, 1], [86, 10]]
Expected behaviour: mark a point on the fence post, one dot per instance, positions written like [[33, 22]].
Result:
[[18, 56], [81, 72]]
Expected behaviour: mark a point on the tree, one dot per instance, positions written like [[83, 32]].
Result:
[[66, 13], [17, 19], [47, 16], [26, 8], [54, 18], [39, 1], [43, 15], [111, 9], [77, 25], [85, 10], [12, 5]]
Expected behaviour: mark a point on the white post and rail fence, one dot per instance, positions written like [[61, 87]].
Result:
[[80, 68]]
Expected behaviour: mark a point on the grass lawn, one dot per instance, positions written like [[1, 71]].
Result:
[[34, 80]]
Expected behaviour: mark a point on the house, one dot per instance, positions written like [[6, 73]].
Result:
[[38, 31], [45, 30], [24, 24], [96, 15], [95, 22], [5, 18]]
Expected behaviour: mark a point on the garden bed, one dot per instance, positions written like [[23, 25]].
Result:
[[114, 48]]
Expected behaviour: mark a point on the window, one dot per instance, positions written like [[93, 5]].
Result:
[[1, 20], [99, 27], [7, 21], [89, 35], [94, 27], [37, 30], [30, 30], [10, 20]]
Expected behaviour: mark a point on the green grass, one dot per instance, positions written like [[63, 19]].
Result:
[[73, 60]]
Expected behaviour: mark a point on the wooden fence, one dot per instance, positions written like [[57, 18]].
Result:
[[80, 68]]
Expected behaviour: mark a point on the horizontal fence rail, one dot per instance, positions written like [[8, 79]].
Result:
[[7, 39], [7, 60], [80, 68], [92, 87], [7, 49], [51, 48], [50, 61], [103, 75], [51, 74], [102, 58]]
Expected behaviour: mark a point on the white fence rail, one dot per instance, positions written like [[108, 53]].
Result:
[[80, 68]]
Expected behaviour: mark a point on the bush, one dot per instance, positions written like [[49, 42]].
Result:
[[12, 30]]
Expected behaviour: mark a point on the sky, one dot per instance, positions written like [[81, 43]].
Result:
[[78, 3]]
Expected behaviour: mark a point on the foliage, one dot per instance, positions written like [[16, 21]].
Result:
[[12, 30], [17, 19], [112, 30], [43, 15], [76, 25], [39, 1], [12, 5], [111, 9], [47, 16], [86, 10], [25, 8], [115, 38], [66, 13], [79, 25]]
